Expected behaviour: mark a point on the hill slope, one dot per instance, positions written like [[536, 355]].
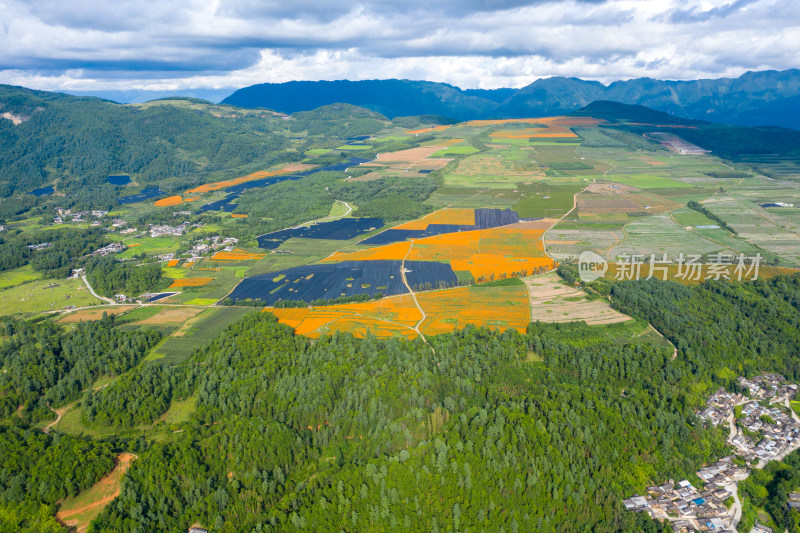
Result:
[[755, 98], [389, 97]]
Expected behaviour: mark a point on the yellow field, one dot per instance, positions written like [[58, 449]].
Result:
[[383, 318], [169, 201], [458, 216], [217, 185], [487, 254], [236, 255]]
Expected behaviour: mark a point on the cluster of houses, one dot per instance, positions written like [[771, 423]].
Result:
[[771, 433], [762, 429], [165, 230], [768, 429], [40, 246], [689, 508], [212, 244], [113, 248], [66, 215]]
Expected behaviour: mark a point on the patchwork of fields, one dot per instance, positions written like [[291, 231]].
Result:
[[510, 199]]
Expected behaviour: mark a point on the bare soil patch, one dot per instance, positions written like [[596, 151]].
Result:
[[87, 315], [172, 316], [79, 511], [554, 301]]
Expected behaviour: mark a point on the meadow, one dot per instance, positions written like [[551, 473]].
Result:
[[46, 295]]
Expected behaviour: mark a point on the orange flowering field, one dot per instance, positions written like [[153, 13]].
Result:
[[236, 255], [190, 282], [384, 318], [486, 254], [171, 200], [497, 307], [224, 184]]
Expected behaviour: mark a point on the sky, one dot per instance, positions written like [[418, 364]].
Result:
[[177, 46]]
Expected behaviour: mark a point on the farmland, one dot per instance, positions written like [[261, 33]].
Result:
[[552, 300], [412, 270]]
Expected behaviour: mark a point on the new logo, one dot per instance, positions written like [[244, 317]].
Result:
[[591, 266]]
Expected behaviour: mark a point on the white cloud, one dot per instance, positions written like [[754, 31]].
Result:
[[175, 45]]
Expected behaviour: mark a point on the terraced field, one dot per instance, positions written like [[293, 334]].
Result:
[[552, 300]]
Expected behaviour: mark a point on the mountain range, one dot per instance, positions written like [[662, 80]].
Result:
[[754, 99]]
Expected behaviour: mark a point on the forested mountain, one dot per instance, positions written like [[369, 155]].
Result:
[[80, 141], [768, 98], [392, 98]]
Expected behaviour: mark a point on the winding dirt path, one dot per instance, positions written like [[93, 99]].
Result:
[[59, 413], [100, 495], [416, 302]]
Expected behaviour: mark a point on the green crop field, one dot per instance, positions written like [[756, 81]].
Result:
[[456, 150], [149, 246], [355, 147], [202, 330]]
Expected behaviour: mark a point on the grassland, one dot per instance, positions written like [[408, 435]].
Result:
[[18, 276], [149, 246], [45, 295]]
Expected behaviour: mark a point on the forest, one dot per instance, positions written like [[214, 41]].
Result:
[[477, 430], [46, 366]]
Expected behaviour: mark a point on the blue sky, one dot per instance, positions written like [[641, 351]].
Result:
[[177, 46]]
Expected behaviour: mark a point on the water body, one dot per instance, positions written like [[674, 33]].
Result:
[[119, 179], [44, 191]]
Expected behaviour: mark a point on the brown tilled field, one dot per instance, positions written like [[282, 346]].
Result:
[[87, 315], [554, 301], [172, 316]]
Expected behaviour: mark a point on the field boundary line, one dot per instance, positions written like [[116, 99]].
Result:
[[416, 301], [565, 215]]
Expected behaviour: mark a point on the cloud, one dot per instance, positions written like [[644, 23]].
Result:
[[179, 44]]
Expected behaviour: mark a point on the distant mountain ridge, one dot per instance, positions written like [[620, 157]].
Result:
[[753, 99]]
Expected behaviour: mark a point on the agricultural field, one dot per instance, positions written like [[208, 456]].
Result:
[[500, 308], [553, 300], [508, 198], [88, 315], [199, 328], [445, 310]]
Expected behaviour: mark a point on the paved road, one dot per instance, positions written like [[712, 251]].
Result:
[[88, 286]]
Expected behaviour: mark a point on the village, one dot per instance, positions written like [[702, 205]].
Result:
[[762, 427]]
